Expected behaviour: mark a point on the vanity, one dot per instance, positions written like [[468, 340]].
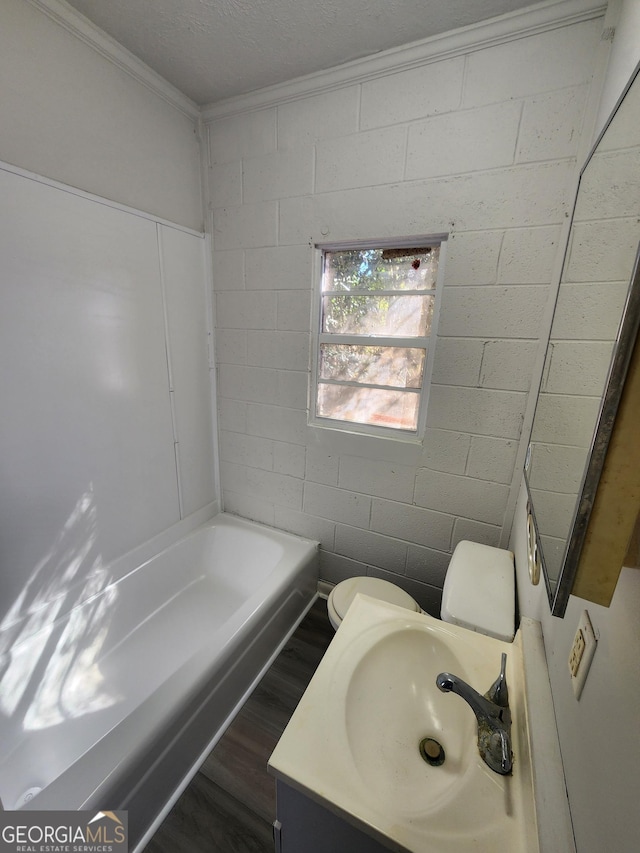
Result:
[[349, 770]]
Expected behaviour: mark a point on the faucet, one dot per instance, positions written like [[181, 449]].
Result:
[[493, 716]]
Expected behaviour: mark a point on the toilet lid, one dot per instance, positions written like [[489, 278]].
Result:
[[479, 590], [343, 594]]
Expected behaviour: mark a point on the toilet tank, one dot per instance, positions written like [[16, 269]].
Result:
[[479, 590]]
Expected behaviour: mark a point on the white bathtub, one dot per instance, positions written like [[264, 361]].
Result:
[[154, 667]]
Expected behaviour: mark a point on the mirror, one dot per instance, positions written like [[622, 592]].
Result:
[[593, 331]]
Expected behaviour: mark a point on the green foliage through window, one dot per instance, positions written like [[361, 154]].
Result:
[[376, 315]]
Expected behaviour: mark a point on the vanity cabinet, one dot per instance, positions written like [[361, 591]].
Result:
[[351, 777], [305, 826]]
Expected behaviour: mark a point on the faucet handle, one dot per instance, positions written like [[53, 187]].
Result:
[[498, 693], [503, 755]]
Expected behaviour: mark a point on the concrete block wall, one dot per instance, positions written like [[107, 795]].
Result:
[[481, 146], [601, 253], [601, 785]]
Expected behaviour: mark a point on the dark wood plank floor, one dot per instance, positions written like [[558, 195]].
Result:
[[229, 807]]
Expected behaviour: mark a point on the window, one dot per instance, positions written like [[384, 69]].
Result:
[[377, 309]]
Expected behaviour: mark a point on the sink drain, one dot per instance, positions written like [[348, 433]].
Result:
[[432, 751], [28, 795]]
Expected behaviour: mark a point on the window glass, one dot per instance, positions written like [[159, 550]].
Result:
[[377, 310]]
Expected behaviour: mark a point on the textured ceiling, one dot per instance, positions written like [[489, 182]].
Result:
[[215, 49]]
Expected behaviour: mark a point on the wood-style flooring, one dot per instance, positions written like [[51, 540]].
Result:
[[229, 806]]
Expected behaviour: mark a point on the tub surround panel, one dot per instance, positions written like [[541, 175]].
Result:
[[185, 281], [102, 449], [400, 161], [83, 357]]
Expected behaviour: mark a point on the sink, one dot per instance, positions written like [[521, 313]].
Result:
[[395, 673], [353, 743]]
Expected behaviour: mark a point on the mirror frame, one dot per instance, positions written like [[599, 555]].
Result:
[[602, 435], [623, 348]]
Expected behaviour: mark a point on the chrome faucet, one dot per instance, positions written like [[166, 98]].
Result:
[[493, 716]]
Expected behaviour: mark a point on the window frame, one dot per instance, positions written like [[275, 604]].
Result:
[[428, 342]]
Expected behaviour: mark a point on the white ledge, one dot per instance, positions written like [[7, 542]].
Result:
[[555, 830]]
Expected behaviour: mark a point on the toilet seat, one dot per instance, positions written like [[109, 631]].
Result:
[[342, 595]]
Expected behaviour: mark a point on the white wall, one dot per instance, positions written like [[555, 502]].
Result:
[[599, 733], [624, 55], [107, 426], [480, 145], [72, 115]]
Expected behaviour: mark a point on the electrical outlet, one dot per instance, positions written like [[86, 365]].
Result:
[[577, 650], [581, 655]]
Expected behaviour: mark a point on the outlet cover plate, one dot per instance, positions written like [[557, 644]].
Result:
[[582, 652]]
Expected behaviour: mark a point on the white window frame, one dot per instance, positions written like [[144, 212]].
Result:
[[318, 337]]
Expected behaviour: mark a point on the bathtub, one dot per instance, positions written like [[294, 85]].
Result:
[[153, 668]]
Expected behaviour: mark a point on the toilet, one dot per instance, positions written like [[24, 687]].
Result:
[[478, 593]]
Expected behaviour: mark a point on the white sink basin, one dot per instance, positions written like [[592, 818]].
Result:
[[394, 674], [353, 742]]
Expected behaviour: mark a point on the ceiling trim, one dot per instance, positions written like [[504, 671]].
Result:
[[532, 20], [81, 27], [538, 18]]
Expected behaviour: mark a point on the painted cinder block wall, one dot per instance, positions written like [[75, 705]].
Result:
[[482, 146], [602, 784]]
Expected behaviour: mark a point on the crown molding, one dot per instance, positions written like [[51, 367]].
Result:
[[75, 23], [532, 20]]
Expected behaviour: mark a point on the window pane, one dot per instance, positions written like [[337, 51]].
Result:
[[397, 409], [400, 367], [393, 316], [381, 269]]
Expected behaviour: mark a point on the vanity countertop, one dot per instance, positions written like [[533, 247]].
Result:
[[371, 775]]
